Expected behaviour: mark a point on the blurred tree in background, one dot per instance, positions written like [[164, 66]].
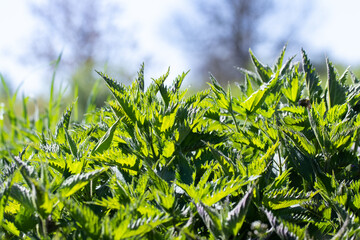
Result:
[[87, 33], [84, 30], [222, 33], [217, 33]]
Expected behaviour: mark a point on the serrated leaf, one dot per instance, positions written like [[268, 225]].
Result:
[[140, 79], [75, 182], [293, 92], [105, 141], [248, 86], [252, 103], [225, 162], [178, 81], [353, 94], [287, 65], [223, 190], [294, 109], [85, 218], [164, 92], [313, 83], [302, 142], [64, 121], [336, 93], [72, 144], [236, 217], [160, 183], [196, 140], [282, 230], [280, 60], [259, 165], [220, 94], [4, 196], [23, 196], [169, 149], [356, 201], [115, 87], [11, 228], [211, 219], [284, 198], [142, 226], [303, 164], [211, 114], [264, 72], [168, 122]]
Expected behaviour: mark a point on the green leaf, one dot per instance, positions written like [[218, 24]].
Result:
[[285, 230], [257, 98], [140, 79], [294, 109], [224, 188], [197, 140], [169, 149], [220, 94], [164, 92], [259, 165], [115, 87], [119, 92], [287, 65], [248, 86], [301, 141], [302, 164], [168, 122], [141, 226], [264, 72], [85, 218], [10, 227], [72, 144], [178, 81], [105, 141], [336, 93], [236, 217], [26, 170], [64, 121], [75, 182], [4, 196], [293, 92], [279, 61], [23, 196], [286, 197], [160, 183], [225, 162], [353, 94], [313, 83], [211, 219]]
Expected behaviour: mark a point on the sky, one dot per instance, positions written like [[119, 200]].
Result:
[[330, 28]]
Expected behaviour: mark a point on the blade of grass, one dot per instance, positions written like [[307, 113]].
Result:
[[51, 99]]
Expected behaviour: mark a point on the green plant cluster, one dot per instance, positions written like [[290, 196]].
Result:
[[278, 161]]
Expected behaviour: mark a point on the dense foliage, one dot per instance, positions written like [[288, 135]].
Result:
[[278, 161]]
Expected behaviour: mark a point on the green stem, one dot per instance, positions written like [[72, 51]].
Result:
[[234, 119], [245, 123], [280, 164], [357, 139]]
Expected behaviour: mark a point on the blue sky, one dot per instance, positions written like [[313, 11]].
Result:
[[331, 29]]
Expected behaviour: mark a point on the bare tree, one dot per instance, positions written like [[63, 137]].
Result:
[[84, 30], [223, 33], [87, 33]]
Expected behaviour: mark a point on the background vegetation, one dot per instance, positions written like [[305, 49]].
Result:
[[277, 160]]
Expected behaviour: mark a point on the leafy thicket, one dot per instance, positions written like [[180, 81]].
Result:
[[277, 161]]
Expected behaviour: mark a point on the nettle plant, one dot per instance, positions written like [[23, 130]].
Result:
[[279, 161]]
